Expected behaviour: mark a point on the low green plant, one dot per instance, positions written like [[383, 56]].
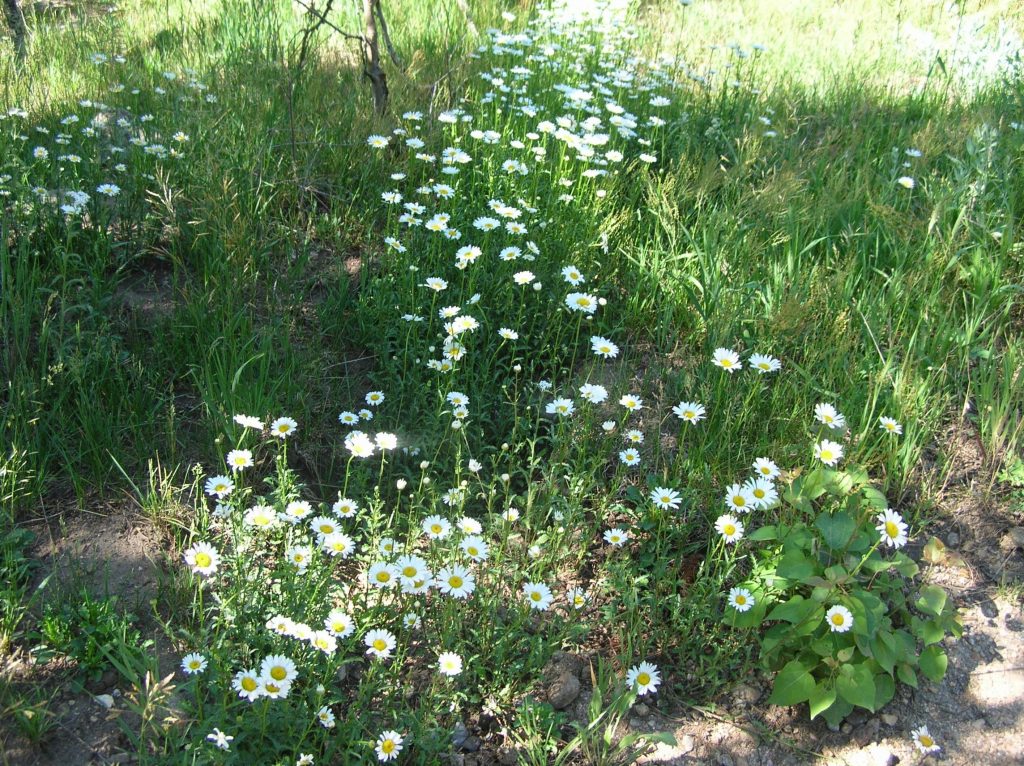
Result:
[[89, 630], [848, 623]]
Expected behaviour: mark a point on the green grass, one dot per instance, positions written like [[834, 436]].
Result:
[[251, 275]]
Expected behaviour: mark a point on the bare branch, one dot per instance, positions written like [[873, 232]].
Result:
[[387, 37]]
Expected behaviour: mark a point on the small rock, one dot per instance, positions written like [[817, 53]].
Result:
[[725, 760], [746, 694], [1017, 536], [563, 691], [471, 744], [105, 700], [857, 717], [641, 710], [636, 724], [846, 728], [978, 724], [686, 743], [508, 757], [889, 719], [952, 539], [989, 609], [459, 735]]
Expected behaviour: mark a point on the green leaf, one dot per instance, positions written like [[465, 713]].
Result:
[[797, 609], [932, 601], [905, 565], [933, 662], [835, 714], [836, 529], [929, 631], [883, 652], [822, 697], [814, 484], [856, 685], [795, 566], [906, 674], [748, 619], [841, 484], [793, 684], [875, 498], [885, 690], [769, 532]]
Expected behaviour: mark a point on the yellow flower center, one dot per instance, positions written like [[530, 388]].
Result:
[[891, 529], [299, 558], [472, 551], [409, 571], [273, 688], [535, 596], [689, 414], [326, 529], [203, 559], [926, 740], [726, 363], [741, 599], [387, 746], [278, 673], [455, 581], [435, 528], [643, 679], [826, 454], [827, 418], [383, 576], [380, 644], [249, 684], [738, 500], [838, 618], [759, 493], [729, 529], [763, 365]]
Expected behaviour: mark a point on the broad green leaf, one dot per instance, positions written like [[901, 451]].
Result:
[[932, 601], [905, 565], [814, 484], [856, 685], [875, 498], [793, 684], [836, 529], [883, 652], [748, 619], [858, 474], [841, 484], [906, 674], [795, 610], [795, 566], [822, 697], [885, 690], [933, 662], [762, 534], [835, 714], [929, 631]]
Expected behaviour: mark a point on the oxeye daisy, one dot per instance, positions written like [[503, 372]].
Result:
[[339, 623], [582, 302], [616, 537], [593, 393], [246, 421], [691, 412], [220, 486], [326, 717], [338, 544], [382, 575], [764, 363], [577, 598], [345, 508], [665, 498], [561, 406], [889, 425], [644, 678], [631, 402], [740, 599], [538, 595], [348, 418], [508, 334], [630, 457], [766, 468], [924, 741], [279, 669], [572, 275], [475, 548], [827, 415], [762, 491], [603, 347], [449, 664], [828, 452], [380, 643], [282, 428], [892, 528], [389, 745], [247, 684], [839, 619], [436, 527], [203, 558], [633, 436], [727, 359], [193, 663], [299, 556], [739, 499], [456, 581], [729, 527]]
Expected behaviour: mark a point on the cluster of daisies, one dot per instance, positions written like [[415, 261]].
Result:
[[117, 145]]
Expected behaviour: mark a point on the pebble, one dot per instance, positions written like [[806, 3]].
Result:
[[641, 710], [952, 539], [686, 743], [1016, 535], [889, 719], [989, 609], [563, 691], [746, 694], [105, 700], [846, 728]]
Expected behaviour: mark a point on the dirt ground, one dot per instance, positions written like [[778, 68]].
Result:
[[976, 714]]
